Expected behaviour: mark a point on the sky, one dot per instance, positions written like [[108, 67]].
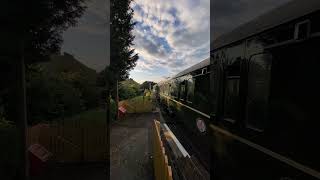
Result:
[[170, 36], [87, 41]]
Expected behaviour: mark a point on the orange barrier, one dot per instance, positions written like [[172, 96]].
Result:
[[162, 171]]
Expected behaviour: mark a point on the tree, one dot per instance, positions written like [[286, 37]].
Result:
[[38, 25], [147, 85], [123, 57]]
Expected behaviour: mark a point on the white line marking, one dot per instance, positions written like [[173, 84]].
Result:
[[199, 112], [181, 148], [284, 159]]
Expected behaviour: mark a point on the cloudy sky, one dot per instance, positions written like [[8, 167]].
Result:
[[169, 36]]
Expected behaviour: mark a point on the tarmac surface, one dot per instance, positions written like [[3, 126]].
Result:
[[131, 147]]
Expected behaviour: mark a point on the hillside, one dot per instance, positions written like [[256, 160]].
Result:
[[128, 89], [66, 63], [130, 83]]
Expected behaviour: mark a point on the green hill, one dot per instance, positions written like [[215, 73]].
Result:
[[130, 83], [66, 63], [128, 89]]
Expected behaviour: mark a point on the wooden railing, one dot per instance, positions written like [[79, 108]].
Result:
[[162, 170]]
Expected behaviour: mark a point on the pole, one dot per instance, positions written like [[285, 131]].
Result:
[[108, 40], [22, 113], [107, 128], [117, 98]]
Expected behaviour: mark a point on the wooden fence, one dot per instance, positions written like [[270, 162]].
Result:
[[162, 170], [71, 144]]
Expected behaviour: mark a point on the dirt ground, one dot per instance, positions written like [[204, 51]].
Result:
[[131, 148]]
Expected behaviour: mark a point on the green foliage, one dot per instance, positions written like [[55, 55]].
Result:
[[147, 85], [123, 57], [128, 89], [92, 117], [60, 88], [38, 25], [47, 19], [138, 104]]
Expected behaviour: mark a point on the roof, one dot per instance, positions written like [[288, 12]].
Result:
[[283, 14], [200, 65]]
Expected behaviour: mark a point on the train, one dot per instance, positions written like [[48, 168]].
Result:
[[251, 108]]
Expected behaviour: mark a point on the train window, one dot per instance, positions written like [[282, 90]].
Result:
[[182, 93], [258, 91], [231, 92], [201, 92], [174, 89], [190, 90]]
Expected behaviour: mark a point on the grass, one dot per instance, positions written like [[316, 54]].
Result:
[[139, 104], [94, 117]]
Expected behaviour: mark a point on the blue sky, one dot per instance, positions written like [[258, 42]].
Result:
[[169, 36]]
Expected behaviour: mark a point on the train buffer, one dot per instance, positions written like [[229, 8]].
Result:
[[171, 160]]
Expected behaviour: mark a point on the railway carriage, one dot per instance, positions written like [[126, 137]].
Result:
[[257, 98], [185, 98]]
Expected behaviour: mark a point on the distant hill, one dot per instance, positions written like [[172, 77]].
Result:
[[128, 89], [67, 63], [130, 83], [147, 85]]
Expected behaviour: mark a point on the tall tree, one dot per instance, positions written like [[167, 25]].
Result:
[[38, 25], [123, 57]]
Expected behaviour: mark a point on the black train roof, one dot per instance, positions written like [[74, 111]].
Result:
[[283, 14], [200, 65]]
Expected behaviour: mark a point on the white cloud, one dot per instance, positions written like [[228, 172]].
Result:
[[171, 34]]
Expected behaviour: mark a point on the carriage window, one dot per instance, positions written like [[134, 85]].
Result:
[[190, 90], [231, 93], [201, 93], [182, 92], [174, 89], [258, 91]]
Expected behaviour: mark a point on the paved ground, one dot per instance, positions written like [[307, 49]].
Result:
[[130, 154], [131, 148]]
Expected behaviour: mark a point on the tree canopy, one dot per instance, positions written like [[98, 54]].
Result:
[[147, 85], [38, 26], [123, 57]]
